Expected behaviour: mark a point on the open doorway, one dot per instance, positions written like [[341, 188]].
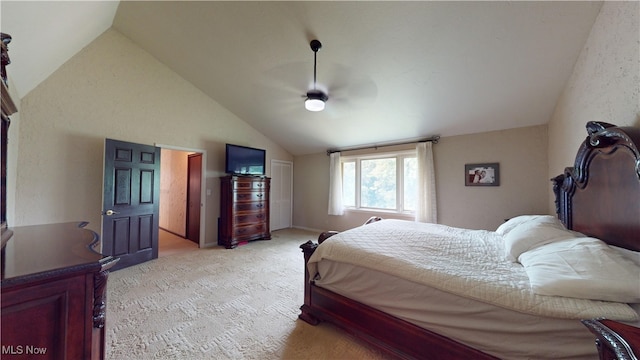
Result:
[[181, 199]]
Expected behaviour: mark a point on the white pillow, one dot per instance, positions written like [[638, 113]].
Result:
[[626, 253], [535, 231], [510, 224], [584, 268]]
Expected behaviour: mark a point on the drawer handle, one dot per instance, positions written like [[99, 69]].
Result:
[[259, 195], [259, 205]]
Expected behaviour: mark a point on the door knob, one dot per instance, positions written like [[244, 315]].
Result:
[[110, 212]]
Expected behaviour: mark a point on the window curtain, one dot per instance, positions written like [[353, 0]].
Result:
[[335, 185], [427, 210]]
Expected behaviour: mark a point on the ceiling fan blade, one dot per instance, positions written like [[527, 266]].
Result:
[[349, 83]]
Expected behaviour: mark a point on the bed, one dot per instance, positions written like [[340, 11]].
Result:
[[479, 294]]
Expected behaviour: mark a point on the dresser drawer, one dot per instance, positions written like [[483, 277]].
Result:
[[250, 218], [249, 206], [242, 196], [249, 231], [249, 185]]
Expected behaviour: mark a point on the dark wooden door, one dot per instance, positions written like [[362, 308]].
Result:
[[193, 197], [130, 202]]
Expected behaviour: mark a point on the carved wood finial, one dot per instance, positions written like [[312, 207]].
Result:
[[597, 126], [309, 246], [4, 56]]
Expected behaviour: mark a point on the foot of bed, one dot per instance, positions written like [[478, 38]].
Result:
[[307, 317]]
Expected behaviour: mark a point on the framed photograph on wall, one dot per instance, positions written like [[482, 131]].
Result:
[[482, 174]]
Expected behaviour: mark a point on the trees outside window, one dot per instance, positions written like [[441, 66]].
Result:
[[387, 183]]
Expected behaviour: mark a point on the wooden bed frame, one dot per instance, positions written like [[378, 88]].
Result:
[[599, 196]]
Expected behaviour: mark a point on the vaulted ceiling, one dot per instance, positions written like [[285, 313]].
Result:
[[392, 70]]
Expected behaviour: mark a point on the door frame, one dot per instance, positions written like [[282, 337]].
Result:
[[203, 185]]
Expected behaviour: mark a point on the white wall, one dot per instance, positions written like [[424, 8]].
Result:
[[523, 163], [114, 89], [605, 85]]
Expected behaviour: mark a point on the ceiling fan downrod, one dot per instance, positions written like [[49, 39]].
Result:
[[315, 46]]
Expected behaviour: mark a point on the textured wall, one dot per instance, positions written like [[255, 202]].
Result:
[[605, 85], [114, 89]]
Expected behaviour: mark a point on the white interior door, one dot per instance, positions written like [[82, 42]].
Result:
[[281, 194]]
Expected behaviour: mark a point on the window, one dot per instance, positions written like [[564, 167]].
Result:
[[381, 182]]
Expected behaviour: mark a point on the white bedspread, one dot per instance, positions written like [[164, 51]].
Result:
[[468, 263]]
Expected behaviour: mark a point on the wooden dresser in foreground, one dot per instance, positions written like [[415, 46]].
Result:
[[53, 293], [614, 340], [244, 210]]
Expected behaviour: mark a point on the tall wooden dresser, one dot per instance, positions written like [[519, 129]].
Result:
[[244, 210]]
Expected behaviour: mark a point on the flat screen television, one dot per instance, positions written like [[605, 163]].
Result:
[[243, 160]]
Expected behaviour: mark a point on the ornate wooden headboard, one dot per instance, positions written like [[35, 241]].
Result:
[[600, 195]]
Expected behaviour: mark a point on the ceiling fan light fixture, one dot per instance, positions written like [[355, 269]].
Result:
[[315, 100], [314, 105]]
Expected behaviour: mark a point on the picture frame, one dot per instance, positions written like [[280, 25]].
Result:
[[487, 174]]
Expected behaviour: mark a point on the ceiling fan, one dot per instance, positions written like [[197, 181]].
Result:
[[316, 99]]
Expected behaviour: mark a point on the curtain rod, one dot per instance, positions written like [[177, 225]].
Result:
[[433, 139]]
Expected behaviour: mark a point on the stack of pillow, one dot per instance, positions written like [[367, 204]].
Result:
[[561, 262]]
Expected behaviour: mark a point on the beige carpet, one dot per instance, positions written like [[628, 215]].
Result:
[[221, 304]]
